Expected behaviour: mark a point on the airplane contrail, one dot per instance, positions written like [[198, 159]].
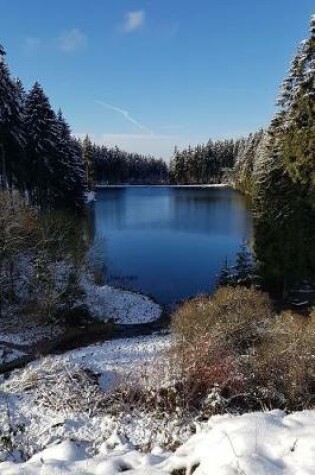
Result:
[[126, 115]]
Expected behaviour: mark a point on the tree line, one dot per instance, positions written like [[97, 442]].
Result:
[[106, 165], [203, 163]]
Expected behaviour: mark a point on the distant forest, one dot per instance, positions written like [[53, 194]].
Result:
[[113, 166]]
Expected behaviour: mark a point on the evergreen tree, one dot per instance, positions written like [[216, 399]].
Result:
[[226, 276], [41, 148], [87, 152], [284, 195], [69, 175], [243, 269], [204, 163], [11, 130], [245, 162]]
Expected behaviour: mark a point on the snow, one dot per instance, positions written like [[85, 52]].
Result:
[[90, 197], [18, 333], [213, 185], [56, 398], [252, 444], [62, 424], [8, 354], [121, 306], [23, 332], [121, 354]]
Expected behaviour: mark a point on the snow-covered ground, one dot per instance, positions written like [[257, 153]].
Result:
[[17, 335], [105, 303], [54, 398], [122, 306], [252, 444], [26, 331], [55, 415], [122, 356]]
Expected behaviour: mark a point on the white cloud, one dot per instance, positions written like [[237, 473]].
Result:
[[72, 40], [126, 115], [133, 21]]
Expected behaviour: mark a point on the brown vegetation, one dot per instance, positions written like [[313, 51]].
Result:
[[234, 348]]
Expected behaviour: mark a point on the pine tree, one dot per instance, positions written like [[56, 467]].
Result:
[[69, 175], [87, 152], [226, 276], [41, 148], [284, 195], [11, 130], [243, 269]]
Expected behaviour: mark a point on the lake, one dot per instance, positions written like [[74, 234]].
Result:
[[168, 242]]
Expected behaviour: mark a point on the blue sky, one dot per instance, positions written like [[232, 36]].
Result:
[[149, 75]]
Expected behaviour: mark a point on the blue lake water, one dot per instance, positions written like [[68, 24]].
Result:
[[168, 242]]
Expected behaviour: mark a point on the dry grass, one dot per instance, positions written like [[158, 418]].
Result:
[[60, 387]]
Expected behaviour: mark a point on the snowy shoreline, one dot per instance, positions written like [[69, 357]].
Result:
[[106, 304], [126, 307], [128, 185]]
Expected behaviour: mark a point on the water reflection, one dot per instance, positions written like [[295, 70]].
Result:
[[172, 241]]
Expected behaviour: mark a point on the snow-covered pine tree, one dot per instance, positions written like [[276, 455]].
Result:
[[11, 129], [42, 158], [297, 105], [87, 153], [284, 196], [70, 176], [245, 162]]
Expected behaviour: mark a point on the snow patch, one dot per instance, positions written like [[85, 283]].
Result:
[[90, 197], [121, 306]]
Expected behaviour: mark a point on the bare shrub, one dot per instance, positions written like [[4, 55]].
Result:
[[204, 367], [283, 365], [211, 334], [233, 316]]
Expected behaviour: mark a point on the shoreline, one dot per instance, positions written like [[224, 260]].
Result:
[[129, 185], [83, 336], [114, 313]]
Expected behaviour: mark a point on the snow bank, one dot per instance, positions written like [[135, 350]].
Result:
[[86, 437], [251, 444], [121, 306]]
